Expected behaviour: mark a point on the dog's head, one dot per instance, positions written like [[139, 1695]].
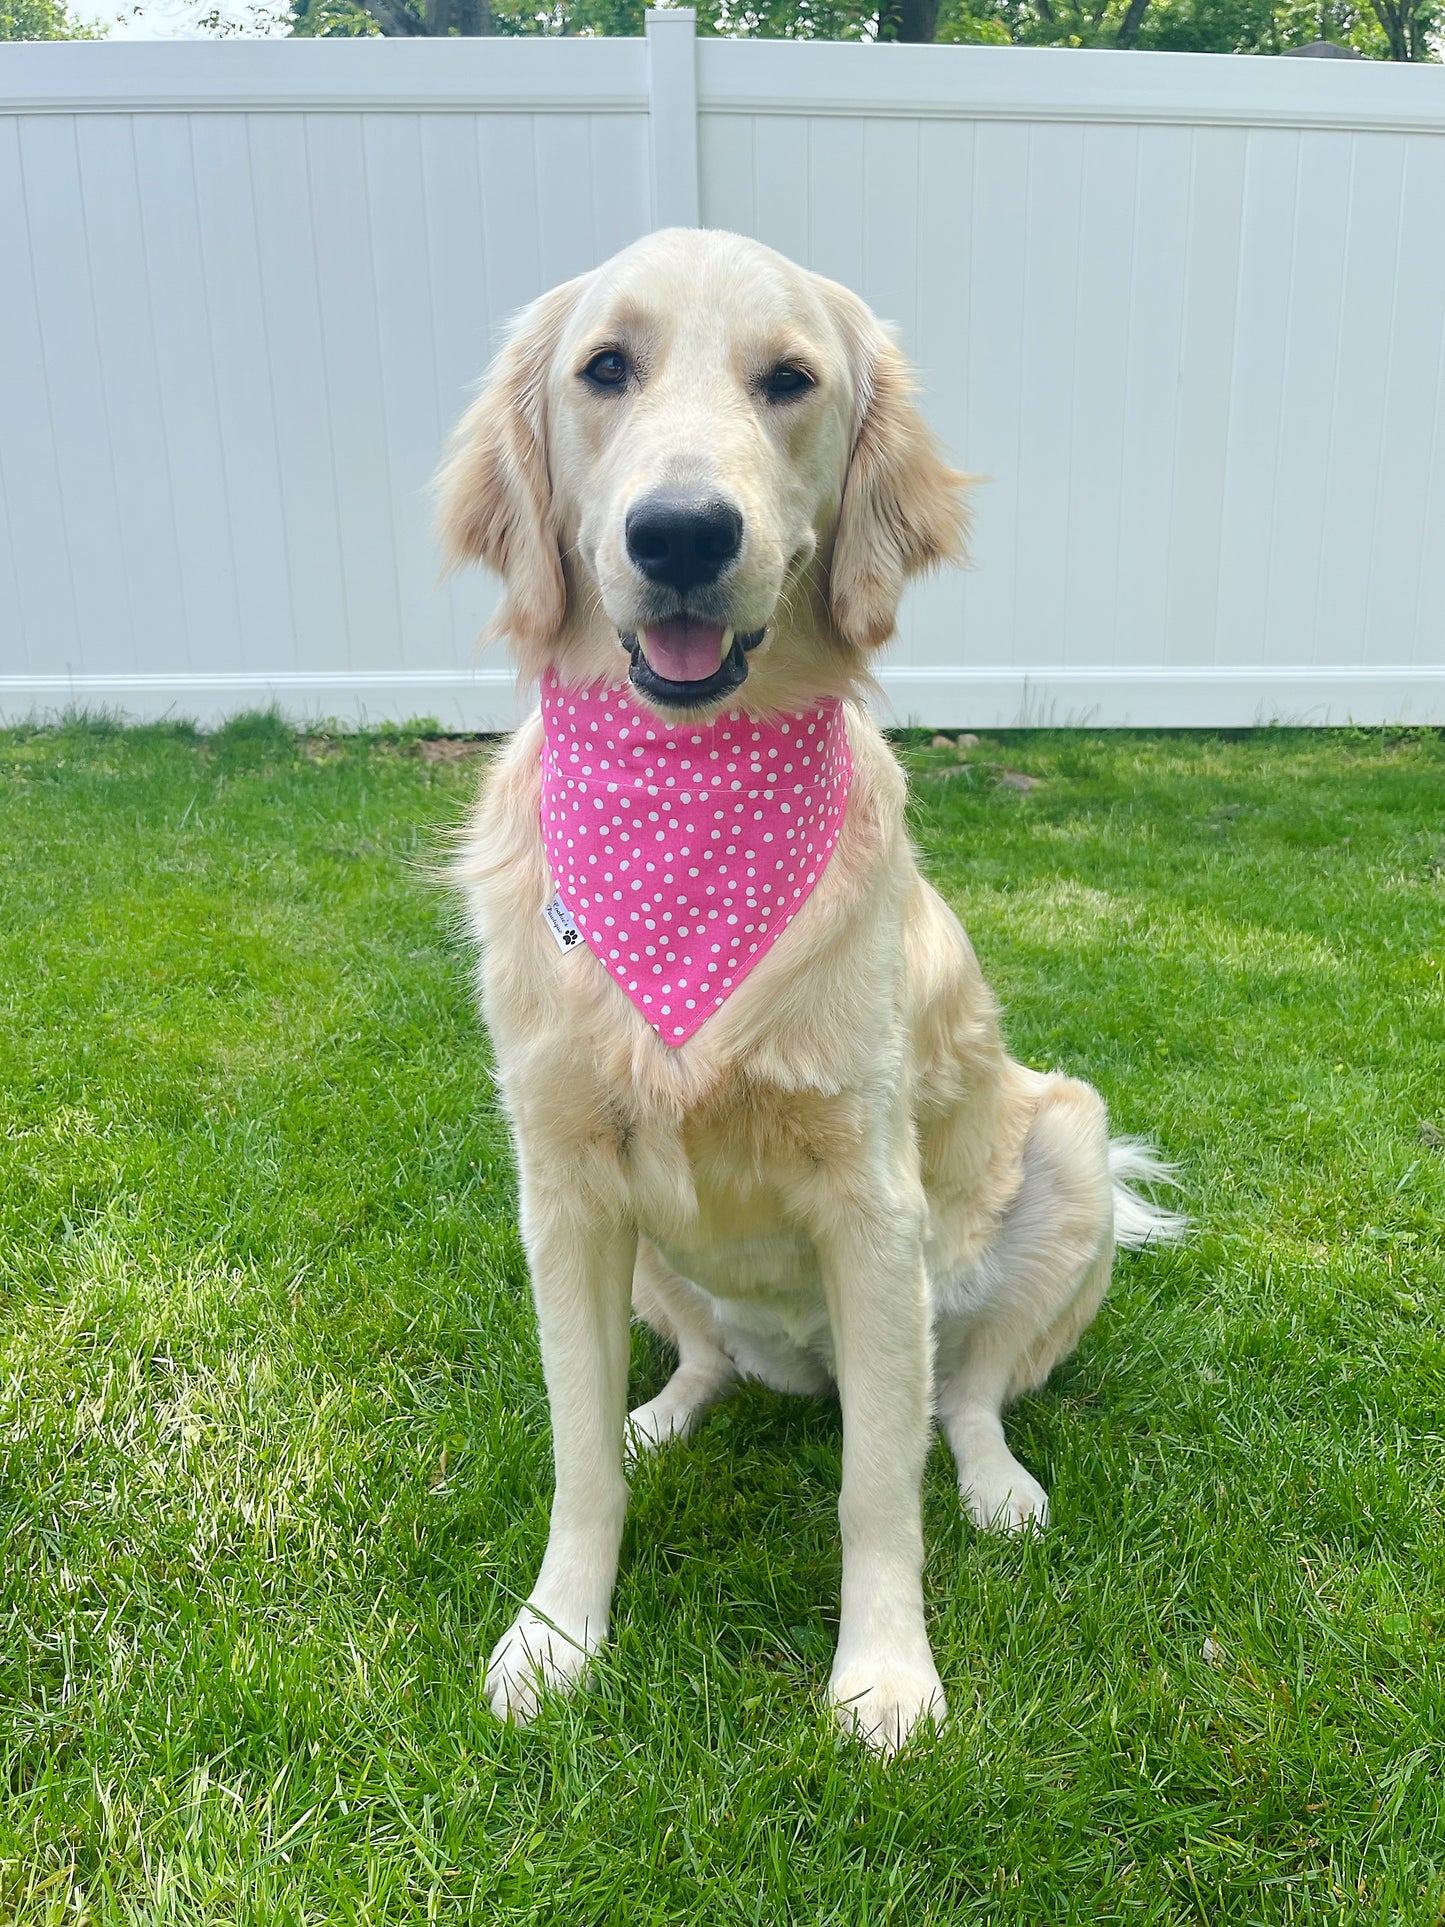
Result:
[[705, 457]]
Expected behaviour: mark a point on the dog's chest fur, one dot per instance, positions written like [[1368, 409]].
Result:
[[735, 1225], [793, 1098]]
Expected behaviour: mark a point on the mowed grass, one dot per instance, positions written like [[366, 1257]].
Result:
[[275, 1446]]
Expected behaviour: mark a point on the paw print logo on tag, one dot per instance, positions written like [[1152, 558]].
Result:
[[560, 922]]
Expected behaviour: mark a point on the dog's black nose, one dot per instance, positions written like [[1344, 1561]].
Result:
[[683, 540]]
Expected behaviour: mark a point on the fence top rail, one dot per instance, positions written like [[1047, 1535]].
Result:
[[1066, 83], [364, 75], [766, 77]]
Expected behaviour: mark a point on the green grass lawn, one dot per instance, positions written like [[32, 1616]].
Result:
[[275, 1448]]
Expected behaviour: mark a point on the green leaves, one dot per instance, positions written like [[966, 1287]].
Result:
[[41, 20], [1379, 29]]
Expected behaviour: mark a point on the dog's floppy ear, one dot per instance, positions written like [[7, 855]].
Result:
[[903, 508], [494, 490]]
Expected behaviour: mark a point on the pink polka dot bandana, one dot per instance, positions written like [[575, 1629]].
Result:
[[684, 850]]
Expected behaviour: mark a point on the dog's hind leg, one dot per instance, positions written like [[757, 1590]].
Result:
[[681, 1314], [1024, 1302]]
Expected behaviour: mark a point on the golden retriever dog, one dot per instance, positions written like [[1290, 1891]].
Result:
[[702, 478]]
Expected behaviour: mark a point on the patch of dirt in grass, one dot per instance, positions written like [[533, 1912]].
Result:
[[454, 749]]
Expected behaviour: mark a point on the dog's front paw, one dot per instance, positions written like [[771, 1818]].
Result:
[[675, 1412], [536, 1655], [1005, 1498], [880, 1703], [655, 1424]]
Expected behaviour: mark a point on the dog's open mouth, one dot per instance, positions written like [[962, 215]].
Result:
[[686, 662]]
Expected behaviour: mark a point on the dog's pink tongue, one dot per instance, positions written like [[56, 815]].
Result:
[[683, 650]]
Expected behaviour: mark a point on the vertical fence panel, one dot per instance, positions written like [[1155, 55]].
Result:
[[1153, 372], [511, 217], [1263, 310], [777, 210], [1357, 456], [995, 377], [462, 315], [1308, 380], [234, 320], [1097, 361], [149, 587], [185, 360], [1404, 529], [59, 257], [317, 636], [346, 277], [1050, 326], [412, 418], [944, 347], [1207, 356], [41, 629]]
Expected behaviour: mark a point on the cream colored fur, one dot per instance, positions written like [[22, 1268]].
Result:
[[842, 1178]]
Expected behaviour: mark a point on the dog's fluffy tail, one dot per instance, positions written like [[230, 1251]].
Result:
[[1138, 1221]]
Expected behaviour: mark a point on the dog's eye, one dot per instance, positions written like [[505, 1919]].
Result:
[[609, 369], [786, 382]]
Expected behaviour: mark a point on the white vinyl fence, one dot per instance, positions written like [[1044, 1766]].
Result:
[[1185, 312]]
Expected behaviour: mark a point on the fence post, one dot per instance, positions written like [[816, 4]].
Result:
[[672, 115]]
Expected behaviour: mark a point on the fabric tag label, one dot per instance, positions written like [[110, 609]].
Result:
[[561, 924]]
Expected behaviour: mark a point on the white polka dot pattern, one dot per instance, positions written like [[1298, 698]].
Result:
[[684, 850]]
